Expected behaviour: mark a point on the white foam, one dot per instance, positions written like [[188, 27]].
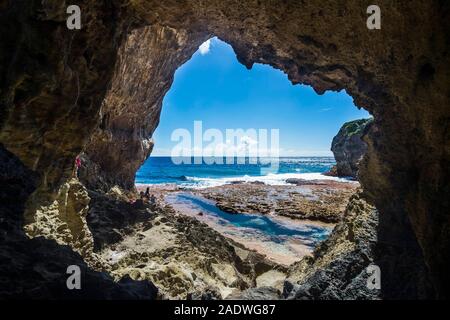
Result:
[[270, 179]]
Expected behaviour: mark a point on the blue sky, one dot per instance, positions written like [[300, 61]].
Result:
[[215, 88]]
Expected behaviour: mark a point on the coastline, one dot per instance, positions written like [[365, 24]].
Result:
[[299, 204]]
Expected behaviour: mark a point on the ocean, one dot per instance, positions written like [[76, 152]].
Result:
[[163, 170]]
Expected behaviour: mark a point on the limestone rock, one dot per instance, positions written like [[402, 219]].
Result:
[[36, 268], [63, 219], [337, 269], [260, 293], [348, 147], [53, 83], [181, 256], [207, 294], [130, 111], [319, 200]]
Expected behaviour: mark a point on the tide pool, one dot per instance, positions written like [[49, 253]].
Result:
[[266, 227]]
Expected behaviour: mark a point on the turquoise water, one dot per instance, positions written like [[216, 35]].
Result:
[[158, 170], [263, 225], [162, 170]]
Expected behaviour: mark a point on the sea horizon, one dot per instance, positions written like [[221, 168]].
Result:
[[224, 156], [162, 170]]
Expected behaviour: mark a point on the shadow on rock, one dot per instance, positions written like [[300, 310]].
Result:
[[36, 268]]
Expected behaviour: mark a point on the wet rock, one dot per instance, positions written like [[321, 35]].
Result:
[[302, 182], [332, 172], [257, 182], [180, 255], [316, 200]]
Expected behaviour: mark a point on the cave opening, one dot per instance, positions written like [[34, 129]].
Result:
[[213, 88], [207, 147], [396, 73]]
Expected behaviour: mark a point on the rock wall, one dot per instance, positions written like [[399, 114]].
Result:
[[36, 268], [338, 267], [144, 72], [53, 81], [348, 147], [63, 220]]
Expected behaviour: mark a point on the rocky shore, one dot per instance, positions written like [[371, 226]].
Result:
[[338, 267], [319, 200], [60, 87], [183, 257], [138, 250], [348, 148], [319, 203]]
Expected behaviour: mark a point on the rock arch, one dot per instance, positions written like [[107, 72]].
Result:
[[61, 94]]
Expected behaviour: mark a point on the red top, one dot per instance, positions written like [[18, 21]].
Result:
[[78, 162]]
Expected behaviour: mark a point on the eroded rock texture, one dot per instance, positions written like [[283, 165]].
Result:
[[53, 81], [349, 148], [130, 111], [338, 267], [36, 268], [63, 220]]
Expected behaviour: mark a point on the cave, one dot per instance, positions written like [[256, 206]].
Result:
[[66, 92]]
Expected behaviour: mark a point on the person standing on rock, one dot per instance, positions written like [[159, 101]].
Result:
[[77, 166]]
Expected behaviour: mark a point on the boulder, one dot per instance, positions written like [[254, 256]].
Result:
[[349, 148]]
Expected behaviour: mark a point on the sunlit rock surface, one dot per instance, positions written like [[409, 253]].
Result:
[[144, 72], [36, 268], [183, 257], [349, 148], [64, 220]]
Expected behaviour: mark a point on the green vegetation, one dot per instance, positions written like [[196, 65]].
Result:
[[356, 126]]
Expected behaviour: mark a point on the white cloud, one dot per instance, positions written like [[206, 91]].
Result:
[[205, 47], [247, 140]]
